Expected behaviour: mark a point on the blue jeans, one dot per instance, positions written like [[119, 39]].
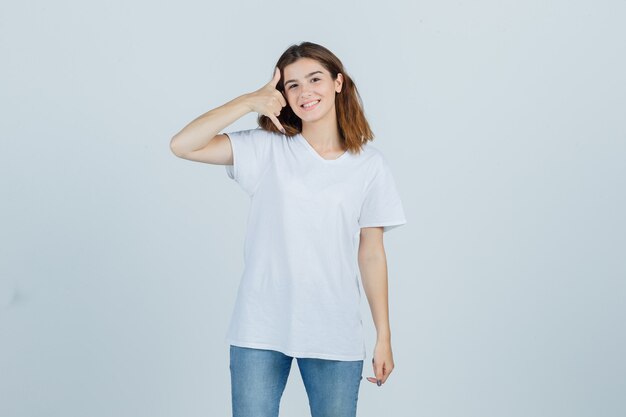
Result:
[[258, 379]]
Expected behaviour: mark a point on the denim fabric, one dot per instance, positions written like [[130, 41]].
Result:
[[259, 376]]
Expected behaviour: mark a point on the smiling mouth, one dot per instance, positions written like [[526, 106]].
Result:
[[311, 106]]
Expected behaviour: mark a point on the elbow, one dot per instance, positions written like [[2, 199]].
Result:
[[173, 147], [374, 255]]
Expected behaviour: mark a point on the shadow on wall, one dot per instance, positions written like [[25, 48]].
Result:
[[9, 296]]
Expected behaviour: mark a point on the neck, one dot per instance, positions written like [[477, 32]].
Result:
[[323, 135]]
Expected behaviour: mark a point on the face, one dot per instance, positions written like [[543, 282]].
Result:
[[307, 81]]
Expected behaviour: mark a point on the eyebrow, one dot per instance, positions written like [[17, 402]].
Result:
[[306, 76]]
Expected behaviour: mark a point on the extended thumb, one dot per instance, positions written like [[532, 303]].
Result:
[[276, 76]]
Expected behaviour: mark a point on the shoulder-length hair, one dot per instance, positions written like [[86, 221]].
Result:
[[353, 126]]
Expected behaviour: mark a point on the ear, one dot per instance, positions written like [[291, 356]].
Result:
[[339, 82]]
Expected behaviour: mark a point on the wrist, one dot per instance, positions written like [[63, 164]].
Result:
[[244, 101], [383, 337]]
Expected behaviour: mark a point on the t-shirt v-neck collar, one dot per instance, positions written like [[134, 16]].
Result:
[[316, 154]]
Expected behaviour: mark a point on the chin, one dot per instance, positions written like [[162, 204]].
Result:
[[312, 117]]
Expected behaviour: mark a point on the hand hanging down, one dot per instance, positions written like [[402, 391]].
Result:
[[382, 362]]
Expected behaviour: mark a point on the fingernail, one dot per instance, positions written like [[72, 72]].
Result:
[[282, 130], [378, 382]]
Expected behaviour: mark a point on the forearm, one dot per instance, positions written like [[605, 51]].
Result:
[[374, 277], [205, 127]]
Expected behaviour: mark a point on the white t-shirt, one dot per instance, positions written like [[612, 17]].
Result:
[[299, 292]]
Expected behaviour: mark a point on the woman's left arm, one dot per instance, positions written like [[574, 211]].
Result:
[[373, 266]]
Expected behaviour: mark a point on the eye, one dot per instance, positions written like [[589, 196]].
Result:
[[293, 84]]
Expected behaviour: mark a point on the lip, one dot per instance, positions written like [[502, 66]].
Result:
[[310, 108]]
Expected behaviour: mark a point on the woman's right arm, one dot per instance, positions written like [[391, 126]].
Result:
[[199, 140]]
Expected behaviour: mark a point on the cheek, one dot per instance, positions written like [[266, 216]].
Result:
[[291, 99]]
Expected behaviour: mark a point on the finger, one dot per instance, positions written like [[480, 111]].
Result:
[[375, 381], [387, 370], [276, 77], [281, 98], [277, 108], [385, 376], [378, 370], [276, 122]]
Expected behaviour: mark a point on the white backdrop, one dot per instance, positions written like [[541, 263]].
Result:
[[504, 125]]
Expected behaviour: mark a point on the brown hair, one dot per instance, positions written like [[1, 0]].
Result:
[[353, 127]]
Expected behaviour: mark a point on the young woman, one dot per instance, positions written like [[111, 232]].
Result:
[[321, 198]]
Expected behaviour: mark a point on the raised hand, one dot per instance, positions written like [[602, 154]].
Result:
[[268, 101]]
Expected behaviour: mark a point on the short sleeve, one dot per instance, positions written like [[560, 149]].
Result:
[[382, 205], [251, 157]]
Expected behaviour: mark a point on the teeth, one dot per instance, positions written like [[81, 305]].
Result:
[[311, 104]]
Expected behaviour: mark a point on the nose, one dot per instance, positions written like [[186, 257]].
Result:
[[305, 91]]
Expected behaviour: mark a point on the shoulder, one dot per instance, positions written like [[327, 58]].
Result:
[[373, 156]]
